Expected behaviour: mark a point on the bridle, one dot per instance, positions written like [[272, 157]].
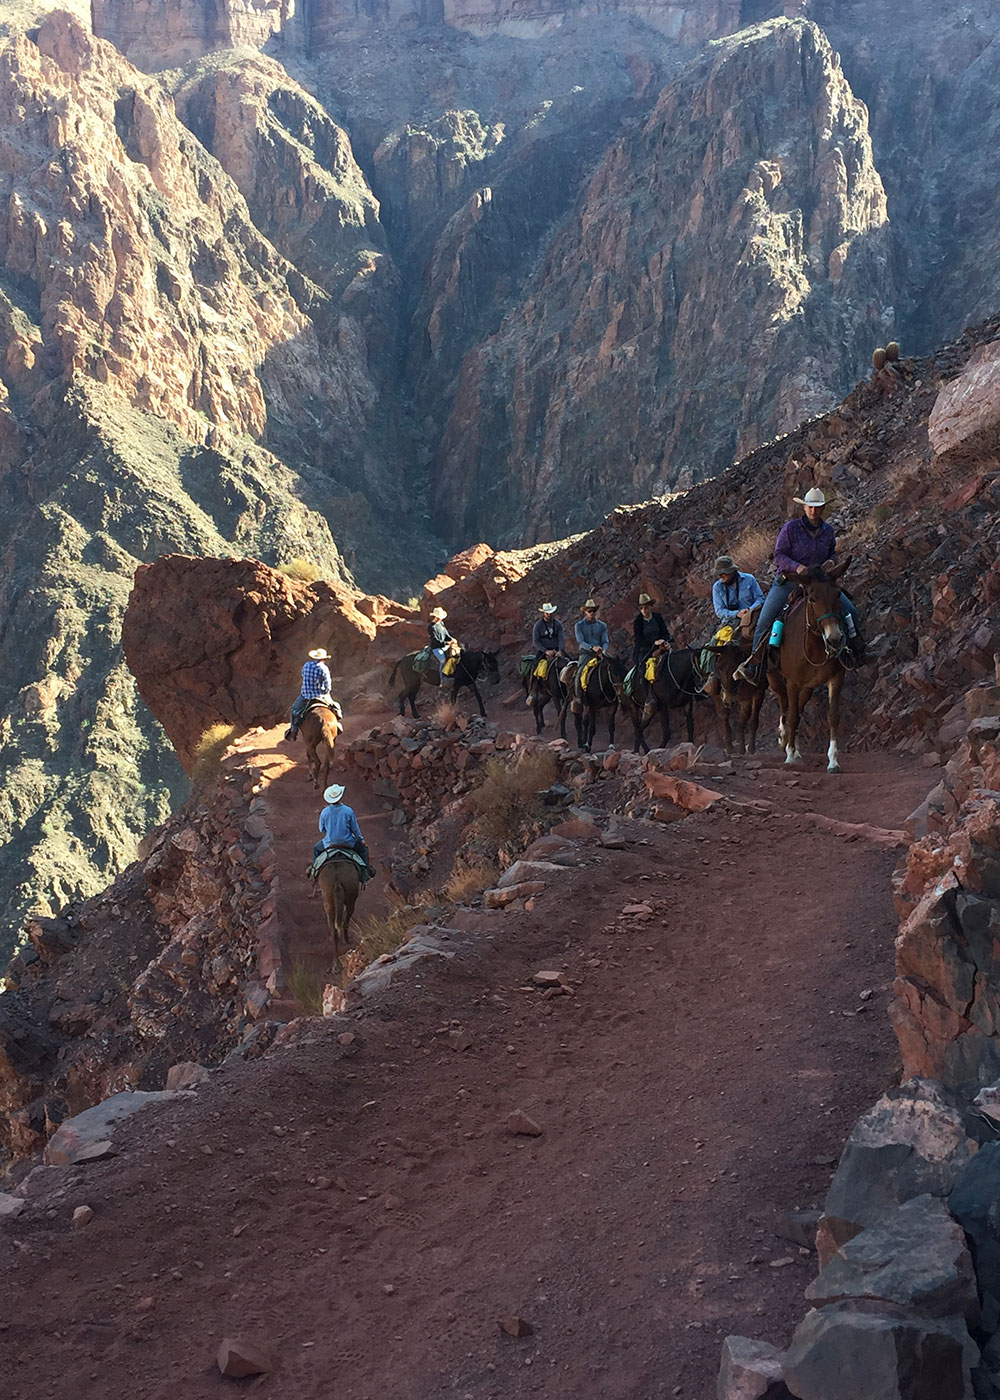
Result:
[[614, 698], [813, 626]]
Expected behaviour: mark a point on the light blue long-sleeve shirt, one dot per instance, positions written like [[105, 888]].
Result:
[[591, 634], [339, 826], [729, 598]]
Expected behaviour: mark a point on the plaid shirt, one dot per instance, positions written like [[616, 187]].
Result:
[[316, 680]]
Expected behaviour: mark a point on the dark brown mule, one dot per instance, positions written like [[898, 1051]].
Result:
[[732, 696], [542, 689], [603, 691], [471, 665], [676, 683], [319, 726], [339, 883], [812, 644]]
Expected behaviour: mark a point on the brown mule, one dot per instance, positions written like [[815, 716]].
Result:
[[319, 726], [734, 696], [812, 644], [339, 884]]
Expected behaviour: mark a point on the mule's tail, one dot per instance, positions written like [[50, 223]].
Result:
[[392, 678]]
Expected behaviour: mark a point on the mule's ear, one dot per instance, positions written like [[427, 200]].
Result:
[[840, 568]]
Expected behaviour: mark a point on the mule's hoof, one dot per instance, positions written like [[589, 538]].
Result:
[[833, 768], [795, 759]]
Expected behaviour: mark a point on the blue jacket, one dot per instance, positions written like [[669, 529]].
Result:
[[729, 598], [339, 826], [590, 634]]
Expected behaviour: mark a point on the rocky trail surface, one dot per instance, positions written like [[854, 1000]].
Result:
[[359, 1200]]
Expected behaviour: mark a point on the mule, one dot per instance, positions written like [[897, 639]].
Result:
[[471, 665], [678, 680], [542, 689], [319, 726], [813, 642], [603, 691], [732, 695], [339, 883]]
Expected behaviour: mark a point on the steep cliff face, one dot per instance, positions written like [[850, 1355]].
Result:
[[747, 207]]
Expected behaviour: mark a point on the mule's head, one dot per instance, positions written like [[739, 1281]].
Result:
[[491, 666], [727, 658], [821, 588]]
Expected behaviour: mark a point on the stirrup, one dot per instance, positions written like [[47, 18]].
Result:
[[743, 671], [291, 735]]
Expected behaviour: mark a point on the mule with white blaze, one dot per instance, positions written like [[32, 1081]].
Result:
[[813, 644]]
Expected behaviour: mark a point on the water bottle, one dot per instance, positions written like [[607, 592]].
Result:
[[776, 631]]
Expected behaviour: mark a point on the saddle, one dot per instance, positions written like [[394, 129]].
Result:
[[338, 853], [333, 705]]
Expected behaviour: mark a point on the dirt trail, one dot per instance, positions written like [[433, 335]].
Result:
[[701, 1079]]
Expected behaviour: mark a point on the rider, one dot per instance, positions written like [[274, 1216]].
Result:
[[317, 684], [548, 636], [735, 595], [804, 543], [591, 635], [339, 826], [649, 631], [443, 644]]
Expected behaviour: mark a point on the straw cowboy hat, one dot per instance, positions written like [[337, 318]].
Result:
[[644, 598], [724, 565], [319, 654], [813, 497], [438, 612], [334, 793], [590, 603], [548, 609]]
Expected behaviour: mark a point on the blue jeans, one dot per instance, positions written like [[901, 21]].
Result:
[[776, 599], [442, 655]]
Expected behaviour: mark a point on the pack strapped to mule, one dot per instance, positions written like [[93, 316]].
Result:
[[725, 634], [542, 669], [628, 684], [650, 669], [449, 665], [588, 666], [526, 664], [422, 659], [338, 853]]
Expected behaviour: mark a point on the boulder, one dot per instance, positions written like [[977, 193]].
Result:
[[527, 870], [186, 1075], [974, 1201], [915, 1256], [851, 1352], [10, 1206], [967, 410], [243, 1356], [913, 1142], [689, 797], [751, 1370], [74, 1138]]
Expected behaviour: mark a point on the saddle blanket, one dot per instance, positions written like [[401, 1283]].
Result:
[[337, 853]]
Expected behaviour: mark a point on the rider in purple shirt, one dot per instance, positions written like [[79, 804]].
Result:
[[805, 543]]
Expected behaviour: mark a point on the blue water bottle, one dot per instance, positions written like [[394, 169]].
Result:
[[776, 631]]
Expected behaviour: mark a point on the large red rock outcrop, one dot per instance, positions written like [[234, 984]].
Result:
[[222, 641]]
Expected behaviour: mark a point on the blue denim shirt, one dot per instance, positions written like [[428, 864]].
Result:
[[339, 826], [591, 634], [729, 598]]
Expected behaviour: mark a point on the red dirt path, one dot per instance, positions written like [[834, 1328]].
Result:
[[702, 1078]]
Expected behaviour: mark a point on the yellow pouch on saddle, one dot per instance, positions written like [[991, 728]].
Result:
[[449, 666], [585, 673], [724, 634], [542, 669], [650, 671]]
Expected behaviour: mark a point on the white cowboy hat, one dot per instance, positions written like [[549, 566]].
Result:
[[644, 598], [334, 793], [590, 604], [548, 608], [319, 654], [438, 612], [813, 497]]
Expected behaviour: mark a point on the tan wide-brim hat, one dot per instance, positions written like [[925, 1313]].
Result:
[[644, 598], [590, 603], [438, 612], [319, 654], [548, 609], [813, 497]]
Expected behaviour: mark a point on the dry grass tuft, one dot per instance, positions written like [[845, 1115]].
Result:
[[753, 550], [380, 934], [467, 880], [505, 804], [444, 714], [300, 569], [208, 753], [306, 985]]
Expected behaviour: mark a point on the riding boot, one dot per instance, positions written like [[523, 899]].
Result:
[[362, 851], [291, 733]]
